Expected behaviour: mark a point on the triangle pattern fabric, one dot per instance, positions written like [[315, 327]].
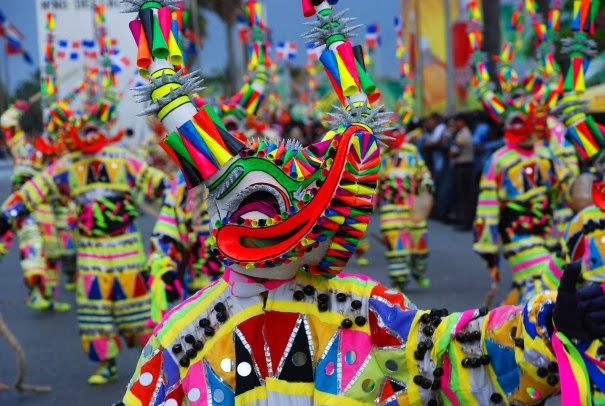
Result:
[[117, 292], [328, 369], [253, 334], [246, 377], [218, 389], [282, 327], [298, 365]]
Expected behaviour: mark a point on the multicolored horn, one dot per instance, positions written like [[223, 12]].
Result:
[[198, 143]]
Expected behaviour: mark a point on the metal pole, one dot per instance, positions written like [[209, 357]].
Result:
[[451, 90], [7, 81]]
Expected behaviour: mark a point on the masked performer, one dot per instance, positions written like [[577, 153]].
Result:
[[284, 326], [112, 296], [520, 186], [39, 242]]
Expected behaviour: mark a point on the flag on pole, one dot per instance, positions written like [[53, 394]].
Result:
[[14, 39], [286, 50], [243, 28], [89, 49], [69, 49], [119, 61], [373, 36], [2, 20], [398, 26]]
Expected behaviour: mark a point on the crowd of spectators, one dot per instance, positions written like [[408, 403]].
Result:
[[455, 149]]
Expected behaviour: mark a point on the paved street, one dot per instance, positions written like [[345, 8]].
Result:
[[53, 351]]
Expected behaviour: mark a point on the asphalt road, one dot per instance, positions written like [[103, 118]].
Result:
[[54, 355]]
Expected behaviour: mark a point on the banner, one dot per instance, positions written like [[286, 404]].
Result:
[[73, 35]]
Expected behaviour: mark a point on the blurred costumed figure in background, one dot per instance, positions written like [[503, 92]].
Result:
[[405, 194], [522, 182], [100, 178]]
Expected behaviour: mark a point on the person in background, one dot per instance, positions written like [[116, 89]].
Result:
[[462, 155], [435, 146]]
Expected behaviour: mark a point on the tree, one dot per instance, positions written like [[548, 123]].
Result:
[[31, 122], [492, 34], [227, 11]]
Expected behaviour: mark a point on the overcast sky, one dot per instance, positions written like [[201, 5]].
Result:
[[284, 17]]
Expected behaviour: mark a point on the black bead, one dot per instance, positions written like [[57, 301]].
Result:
[[461, 338], [322, 306], [209, 331], [428, 331], [438, 372], [432, 402], [436, 385], [513, 332], [309, 290], [341, 297], [466, 363], [422, 346], [601, 350], [552, 380], [425, 318], [347, 323], [189, 339], [475, 362], [483, 311], [220, 307], [356, 304], [323, 298], [496, 398], [519, 342], [485, 359], [360, 321], [435, 312], [299, 295], [222, 317], [542, 372], [198, 345], [429, 343], [553, 367], [316, 2], [419, 355], [445, 312], [418, 379], [184, 362], [475, 335], [204, 323], [191, 353], [426, 383], [177, 348], [436, 322]]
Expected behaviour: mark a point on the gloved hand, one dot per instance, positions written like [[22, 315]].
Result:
[[579, 314]]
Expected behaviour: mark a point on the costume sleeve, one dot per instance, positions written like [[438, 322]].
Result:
[[471, 358], [53, 182], [488, 212], [156, 378], [151, 181]]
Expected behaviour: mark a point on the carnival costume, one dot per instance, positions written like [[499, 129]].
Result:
[[522, 183], [39, 243], [284, 325], [112, 295], [404, 177]]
